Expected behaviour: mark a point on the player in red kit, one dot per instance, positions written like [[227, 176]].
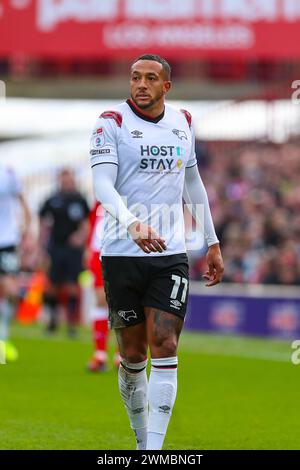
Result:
[[99, 312]]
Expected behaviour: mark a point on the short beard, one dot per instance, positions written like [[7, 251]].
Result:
[[150, 104]]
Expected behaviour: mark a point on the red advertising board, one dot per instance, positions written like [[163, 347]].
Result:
[[174, 28]]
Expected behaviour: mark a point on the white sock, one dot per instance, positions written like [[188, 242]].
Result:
[[162, 394], [6, 311], [133, 388]]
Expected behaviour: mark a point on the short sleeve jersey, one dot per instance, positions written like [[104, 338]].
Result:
[[151, 155]]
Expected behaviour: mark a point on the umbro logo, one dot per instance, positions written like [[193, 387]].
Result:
[[127, 314], [164, 409], [138, 411], [180, 134], [175, 304], [137, 134]]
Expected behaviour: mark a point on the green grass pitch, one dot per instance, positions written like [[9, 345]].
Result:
[[234, 393]]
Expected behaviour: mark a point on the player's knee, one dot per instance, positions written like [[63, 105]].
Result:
[[165, 347], [134, 357]]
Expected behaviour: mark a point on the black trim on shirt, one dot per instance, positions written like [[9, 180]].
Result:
[[192, 165], [102, 163], [143, 116]]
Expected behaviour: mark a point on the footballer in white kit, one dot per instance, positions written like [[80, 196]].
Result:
[[11, 201], [143, 160], [151, 156]]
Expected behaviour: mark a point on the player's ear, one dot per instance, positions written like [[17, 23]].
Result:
[[167, 86]]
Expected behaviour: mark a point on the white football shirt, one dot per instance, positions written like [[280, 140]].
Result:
[[151, 155], [10, 188]]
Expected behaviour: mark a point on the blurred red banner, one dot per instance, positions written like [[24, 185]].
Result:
[[174, 28]]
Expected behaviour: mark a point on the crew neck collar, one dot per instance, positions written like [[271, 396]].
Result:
[[143, 116]]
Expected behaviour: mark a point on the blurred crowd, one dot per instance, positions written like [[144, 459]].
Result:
[[254, 192]]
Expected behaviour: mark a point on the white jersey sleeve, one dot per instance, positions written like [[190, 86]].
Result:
[[104, 163], [104, 178], [104, 140], [192, 160], [195, 195]]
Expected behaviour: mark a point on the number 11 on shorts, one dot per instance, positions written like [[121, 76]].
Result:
[[177, 281]]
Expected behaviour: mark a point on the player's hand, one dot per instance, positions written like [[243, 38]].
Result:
[[146, 238], [215, 265]]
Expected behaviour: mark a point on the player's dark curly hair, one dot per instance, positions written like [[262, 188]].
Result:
[[160, 60]]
